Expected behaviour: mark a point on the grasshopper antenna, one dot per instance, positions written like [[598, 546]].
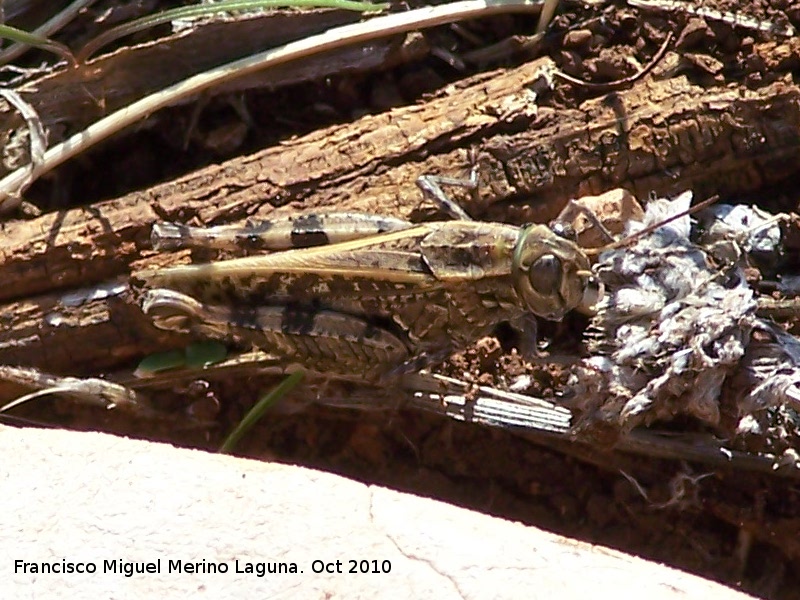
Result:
[[651, 228]]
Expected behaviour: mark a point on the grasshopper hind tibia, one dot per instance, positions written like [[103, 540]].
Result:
[[303, 231]]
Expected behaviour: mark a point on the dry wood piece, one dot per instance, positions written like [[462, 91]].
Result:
[[657, 137]]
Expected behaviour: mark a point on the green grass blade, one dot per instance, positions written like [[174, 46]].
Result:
[[255, 413], [23, 37], [191, 12]]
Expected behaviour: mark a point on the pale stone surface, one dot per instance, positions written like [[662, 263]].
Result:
[[94, 497]]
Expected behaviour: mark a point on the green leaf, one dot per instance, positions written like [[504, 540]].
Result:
[[160, 361], [201, 354]]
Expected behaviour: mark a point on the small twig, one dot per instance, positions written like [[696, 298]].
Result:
[[37, 136], [91, 390], [548, 10], [619, 84], [710, 451], [651, 228]]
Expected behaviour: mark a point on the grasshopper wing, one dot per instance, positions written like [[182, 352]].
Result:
[[385, 263]]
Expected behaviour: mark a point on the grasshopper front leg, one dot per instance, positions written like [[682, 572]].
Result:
[[324, 341]]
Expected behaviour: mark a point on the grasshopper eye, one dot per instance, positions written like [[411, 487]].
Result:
[[549, 272], [545, 274]]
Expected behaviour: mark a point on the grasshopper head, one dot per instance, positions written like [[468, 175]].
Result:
[[551, 273]]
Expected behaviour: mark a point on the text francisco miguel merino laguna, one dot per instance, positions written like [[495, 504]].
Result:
[[131, 568]]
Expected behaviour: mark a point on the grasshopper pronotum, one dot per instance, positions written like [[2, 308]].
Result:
[[366, 296]]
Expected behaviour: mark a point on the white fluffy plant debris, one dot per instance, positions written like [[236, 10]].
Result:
[[765, 393], [670, 331]]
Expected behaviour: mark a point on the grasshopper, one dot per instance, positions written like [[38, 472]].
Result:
[[364, 296]]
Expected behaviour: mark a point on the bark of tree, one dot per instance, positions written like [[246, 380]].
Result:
[[658, 137]]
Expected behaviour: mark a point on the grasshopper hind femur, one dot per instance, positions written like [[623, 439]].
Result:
[[551, 273]]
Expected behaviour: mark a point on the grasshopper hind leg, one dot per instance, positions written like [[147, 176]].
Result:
[[303, 231], [323, 341]]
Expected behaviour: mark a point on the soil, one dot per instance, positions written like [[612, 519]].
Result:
[[719, 114]]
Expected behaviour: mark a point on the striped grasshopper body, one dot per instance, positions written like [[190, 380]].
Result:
[[370, 296]]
